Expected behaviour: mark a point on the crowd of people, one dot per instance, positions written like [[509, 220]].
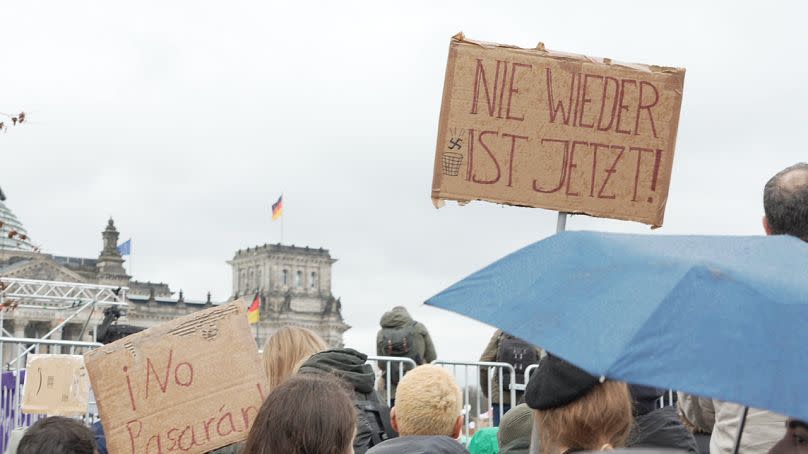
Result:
[[327, 401]]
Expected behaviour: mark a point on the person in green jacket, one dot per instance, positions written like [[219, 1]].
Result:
[[400, 335]]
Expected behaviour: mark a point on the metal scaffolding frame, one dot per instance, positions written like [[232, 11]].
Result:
[[32, 292], [74, 297]]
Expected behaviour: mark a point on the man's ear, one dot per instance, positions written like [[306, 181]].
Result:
[[766, 227], [393, 421], [458, 427]]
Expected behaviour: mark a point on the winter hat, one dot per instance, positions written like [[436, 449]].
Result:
[[557, 383], [347, 363], [516, 423]]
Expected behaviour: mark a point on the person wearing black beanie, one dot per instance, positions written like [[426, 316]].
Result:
[[576, 411]]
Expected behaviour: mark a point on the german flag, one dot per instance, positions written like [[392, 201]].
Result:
[[254, 311], [277, 208]]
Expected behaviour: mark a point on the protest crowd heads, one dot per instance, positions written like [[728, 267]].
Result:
[[305, 414], [428, 402], [285, 350]]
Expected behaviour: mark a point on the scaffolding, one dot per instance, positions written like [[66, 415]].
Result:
[[67, 301], [33, 292], [72, 298]]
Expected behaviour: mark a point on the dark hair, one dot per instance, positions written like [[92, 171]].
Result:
[[785, 201], [57, 435], [306, 414]]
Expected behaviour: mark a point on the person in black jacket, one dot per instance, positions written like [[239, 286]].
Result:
[[657, 427], [373, 416]]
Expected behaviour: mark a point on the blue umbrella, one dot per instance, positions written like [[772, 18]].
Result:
[[717, 316]]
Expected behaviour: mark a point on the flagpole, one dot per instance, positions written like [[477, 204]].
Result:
[[258, 326]]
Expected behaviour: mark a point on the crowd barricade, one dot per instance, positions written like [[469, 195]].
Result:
[[385, 365], [667, 399], [462, 371], [529, 370], [14, 352]]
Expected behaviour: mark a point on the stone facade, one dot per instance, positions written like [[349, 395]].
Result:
[[293, 283], [294, 286]]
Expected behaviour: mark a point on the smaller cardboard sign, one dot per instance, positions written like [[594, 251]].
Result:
[[56, 385], [193, 384], [531, 127]]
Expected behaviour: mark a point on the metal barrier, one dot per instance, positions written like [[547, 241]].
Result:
[[528, 372], [667, 399], [11, 417], [492, 369], [384, 364]]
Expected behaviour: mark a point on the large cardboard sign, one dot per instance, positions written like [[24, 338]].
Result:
[[190, 385], [567, 132], [55, 385]]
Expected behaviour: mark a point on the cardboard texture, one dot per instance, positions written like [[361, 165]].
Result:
[[55, 385], [535, 128], [192, 385]]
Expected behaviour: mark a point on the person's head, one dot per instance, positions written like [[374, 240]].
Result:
[[401, 310], [785, 202], [575, 410], [57, 435], [428, 402], [795, 440], [516, 425], [306, 414], [286, 349]]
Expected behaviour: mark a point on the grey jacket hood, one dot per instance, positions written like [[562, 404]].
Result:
[[395, 318], [419, 444]]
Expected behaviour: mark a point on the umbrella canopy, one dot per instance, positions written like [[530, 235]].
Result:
[[717, 316]]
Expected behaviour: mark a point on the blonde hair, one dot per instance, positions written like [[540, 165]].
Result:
[[600, 418], [286, 349], [428, 402]]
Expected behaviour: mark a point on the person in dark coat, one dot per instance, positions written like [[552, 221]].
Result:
[[373, 416], [657, 427]]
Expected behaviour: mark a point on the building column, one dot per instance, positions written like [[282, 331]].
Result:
[[10, 350], [55, 336], [19, 328]]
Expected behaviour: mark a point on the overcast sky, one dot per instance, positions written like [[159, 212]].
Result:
[[185, 120]]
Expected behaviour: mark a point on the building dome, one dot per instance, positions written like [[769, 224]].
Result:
[[9, 223]]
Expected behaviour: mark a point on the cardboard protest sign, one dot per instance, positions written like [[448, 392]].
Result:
[[55, 385], [535, 128], [192, 384]]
